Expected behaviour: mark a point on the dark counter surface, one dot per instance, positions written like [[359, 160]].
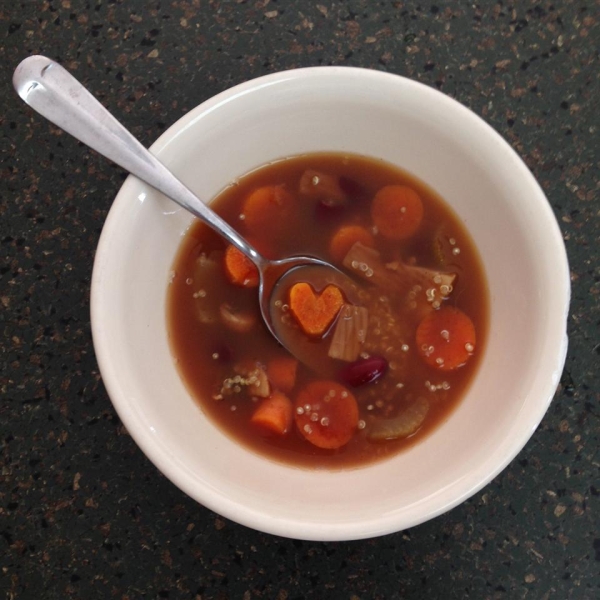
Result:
[[83, 513]]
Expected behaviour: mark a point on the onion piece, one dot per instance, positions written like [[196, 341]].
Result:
[[366, 263], [238, 321], [254, 378], [206, 269], [208, 266], [401, 426], [428, 287], [426, 278], [350, 332], [204, 315]]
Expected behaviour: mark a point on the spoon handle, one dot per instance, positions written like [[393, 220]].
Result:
[[54, 93]]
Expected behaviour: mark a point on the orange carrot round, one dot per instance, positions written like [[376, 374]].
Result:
[[315, 312], [345, 237], [274, 414], [326, 414], [397, 211], [446, 338], [239, 268], [265, 205], [281, 371]]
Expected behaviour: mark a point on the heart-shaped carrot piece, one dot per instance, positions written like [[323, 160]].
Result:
[[315, 312]]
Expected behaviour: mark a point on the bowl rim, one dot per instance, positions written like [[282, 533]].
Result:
[[234, 509]]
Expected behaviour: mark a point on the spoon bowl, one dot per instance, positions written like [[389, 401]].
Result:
[[276, 278], [54, 93], [282, 275]]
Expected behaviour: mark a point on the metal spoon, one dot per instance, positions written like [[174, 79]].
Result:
[[55, 94]]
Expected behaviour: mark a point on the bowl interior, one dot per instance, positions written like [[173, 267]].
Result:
[[424, 132]]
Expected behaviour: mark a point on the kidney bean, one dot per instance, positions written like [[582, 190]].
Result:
[[364, 370]]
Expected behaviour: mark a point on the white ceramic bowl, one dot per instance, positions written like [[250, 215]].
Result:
[[433, 137]]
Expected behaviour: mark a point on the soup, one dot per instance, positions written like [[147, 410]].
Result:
[[393, 354]]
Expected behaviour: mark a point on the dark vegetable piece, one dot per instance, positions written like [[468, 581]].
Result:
[[364, 370], [352, 188], [441, 247], [322, 187], [445, 247]]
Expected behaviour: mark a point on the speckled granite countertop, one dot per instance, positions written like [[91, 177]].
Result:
[[83, 514]]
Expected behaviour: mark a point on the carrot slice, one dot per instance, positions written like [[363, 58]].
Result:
[[315, 313], [397, 211], [274, 414], [239, 268], [267, 205], [446, 338], [345, 237], [281, 371], [326, 414]]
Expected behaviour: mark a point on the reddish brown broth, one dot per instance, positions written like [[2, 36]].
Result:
[[206, 352]]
